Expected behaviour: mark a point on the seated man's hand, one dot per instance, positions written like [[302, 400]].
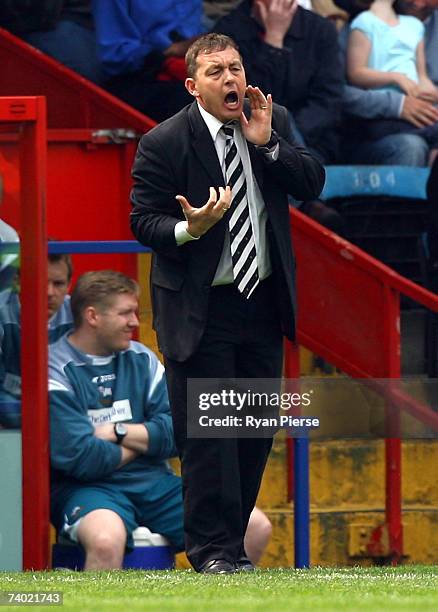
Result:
[[276, 19], [418, 112], [106, 432]]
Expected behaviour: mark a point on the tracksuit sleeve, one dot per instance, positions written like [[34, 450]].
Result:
[[74, 449]]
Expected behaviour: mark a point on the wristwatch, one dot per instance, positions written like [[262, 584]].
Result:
[[272, 142], [120, 431]]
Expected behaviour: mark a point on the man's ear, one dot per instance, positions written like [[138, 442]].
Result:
[[90, 315], [191, 87]]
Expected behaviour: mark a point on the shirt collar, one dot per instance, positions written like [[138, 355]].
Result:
[[97, 360], [213, 124]]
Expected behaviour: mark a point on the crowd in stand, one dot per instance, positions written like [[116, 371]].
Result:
[[332, 68], [358, 77]]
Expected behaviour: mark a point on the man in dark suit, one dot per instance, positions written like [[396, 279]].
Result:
[[222, 273]]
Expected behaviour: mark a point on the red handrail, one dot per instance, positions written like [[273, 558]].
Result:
[[72, 100], [349, 313]]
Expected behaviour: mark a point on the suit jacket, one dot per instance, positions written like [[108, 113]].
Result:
[[179, 157]]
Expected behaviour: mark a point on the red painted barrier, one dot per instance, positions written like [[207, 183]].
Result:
[[88, 158], [81, 181], [72, 101], [349, 314], [88, 184], [27, 116]]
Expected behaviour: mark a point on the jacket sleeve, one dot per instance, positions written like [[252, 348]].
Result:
[[300, 174], [74, 449], [319, 118], [158, 420], [369, 104], [155, 210]]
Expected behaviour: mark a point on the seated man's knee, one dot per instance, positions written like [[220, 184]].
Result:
[[106, 547], [258, 534], [391, 150], [102, 534], [404, 150], [265, 529]]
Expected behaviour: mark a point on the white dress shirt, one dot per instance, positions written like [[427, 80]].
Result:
[[257, 209]]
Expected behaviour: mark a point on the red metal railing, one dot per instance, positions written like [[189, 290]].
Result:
[[349, 314], [28, 115], [92, 139], [72, 100]]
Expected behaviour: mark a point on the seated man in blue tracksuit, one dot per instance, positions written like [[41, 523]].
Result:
[[59, 321], [110, 427]]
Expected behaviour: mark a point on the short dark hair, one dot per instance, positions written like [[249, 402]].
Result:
[[98, 289], [208, 43], [56, 257]]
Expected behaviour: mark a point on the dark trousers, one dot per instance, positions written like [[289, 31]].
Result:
[[432, 200], [221, 477], [376, 129]]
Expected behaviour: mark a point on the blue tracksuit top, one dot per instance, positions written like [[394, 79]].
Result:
[[10, 370], [84, 391]]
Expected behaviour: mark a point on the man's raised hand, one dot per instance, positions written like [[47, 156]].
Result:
[[276, 18], [258, 129], [200, 220]]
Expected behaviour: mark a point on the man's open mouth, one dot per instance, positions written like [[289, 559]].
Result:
[[232, 99]]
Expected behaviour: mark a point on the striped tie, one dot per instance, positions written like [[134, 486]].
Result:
[[243, 250]]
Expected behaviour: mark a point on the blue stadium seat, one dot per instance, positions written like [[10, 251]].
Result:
[[395, 181], [384, 209]]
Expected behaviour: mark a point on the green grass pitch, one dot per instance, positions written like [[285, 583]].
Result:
[[405, 587]]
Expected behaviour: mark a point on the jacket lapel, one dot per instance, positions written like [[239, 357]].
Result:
[[204, 148], [205, 151]]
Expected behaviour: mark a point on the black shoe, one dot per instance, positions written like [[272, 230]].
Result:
[[218, 566], [244, 565]]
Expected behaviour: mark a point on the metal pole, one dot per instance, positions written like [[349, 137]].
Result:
[[33, 279], [297, 451], [302, 503], [393, 466]]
